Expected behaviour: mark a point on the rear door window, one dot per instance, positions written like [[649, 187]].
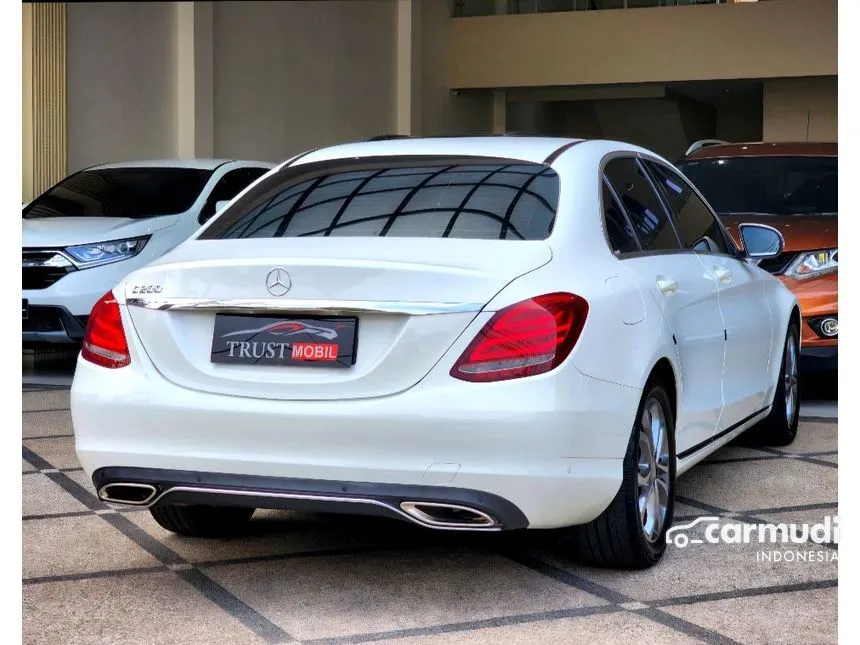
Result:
[[643, 206], [398, 197], [696, 224], [619, 231]]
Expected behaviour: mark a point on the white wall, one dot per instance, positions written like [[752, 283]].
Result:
[[289, 76], [121, 86]]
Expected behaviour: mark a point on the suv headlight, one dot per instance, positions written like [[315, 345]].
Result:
[[814, 264], [90, 255]]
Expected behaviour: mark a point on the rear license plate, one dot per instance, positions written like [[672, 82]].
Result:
[[284, 340], [25, 309]]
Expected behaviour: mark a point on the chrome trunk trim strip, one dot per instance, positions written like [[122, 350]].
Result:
[[281, 305]]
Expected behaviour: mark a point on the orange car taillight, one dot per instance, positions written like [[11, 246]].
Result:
[[528, 338], [104, 341]]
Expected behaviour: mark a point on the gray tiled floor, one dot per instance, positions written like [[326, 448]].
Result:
[[93, 575]]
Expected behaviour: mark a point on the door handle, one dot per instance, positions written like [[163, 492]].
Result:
[[667, 286], [723, 274]]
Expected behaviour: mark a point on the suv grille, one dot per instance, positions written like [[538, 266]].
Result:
[[778, 264], [35, 274]]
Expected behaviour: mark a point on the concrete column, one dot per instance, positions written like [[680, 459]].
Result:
[[407, 82], [500, 112], [800, 109], [194, 80], [44, 123]]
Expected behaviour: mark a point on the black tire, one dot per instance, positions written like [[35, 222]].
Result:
[[202, 521], [616, 538], [777, 429]]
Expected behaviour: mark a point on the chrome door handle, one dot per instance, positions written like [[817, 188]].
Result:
[[667, 286], [723, 274]]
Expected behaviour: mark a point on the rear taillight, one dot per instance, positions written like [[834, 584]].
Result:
[[528, 338], [104, 342]]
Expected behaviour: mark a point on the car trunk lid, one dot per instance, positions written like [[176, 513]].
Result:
[[409, 300]]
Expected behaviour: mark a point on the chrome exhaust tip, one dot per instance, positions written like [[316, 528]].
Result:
[[448, 515], [128, 493]]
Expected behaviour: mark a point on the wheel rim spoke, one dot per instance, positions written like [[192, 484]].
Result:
[[653, 481], [790, 379], [646, 418]]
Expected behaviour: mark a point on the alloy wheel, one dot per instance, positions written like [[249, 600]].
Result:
[[653, 480], [790, 379]]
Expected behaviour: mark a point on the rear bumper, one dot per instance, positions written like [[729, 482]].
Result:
[[52, 324], [551, 447], [823, 358], [386, 500]]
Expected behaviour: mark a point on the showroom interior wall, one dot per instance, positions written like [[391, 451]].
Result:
[[114, 81], [803, 109], [443, 111], [767, 39], [259, 80], [121, 82], [789, 46], [297, 75]]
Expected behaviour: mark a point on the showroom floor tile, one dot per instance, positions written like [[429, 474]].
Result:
[[795, 617], [156, 608]]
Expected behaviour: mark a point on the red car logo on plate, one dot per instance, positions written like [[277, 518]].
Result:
[[287, 328]]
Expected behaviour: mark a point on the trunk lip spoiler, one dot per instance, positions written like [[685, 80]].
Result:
[[318, 307]]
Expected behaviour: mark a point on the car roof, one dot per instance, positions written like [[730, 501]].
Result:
[[763, 149], [525, 148], [201, 164]]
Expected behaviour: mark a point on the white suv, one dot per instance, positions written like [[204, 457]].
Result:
[[82, 236]]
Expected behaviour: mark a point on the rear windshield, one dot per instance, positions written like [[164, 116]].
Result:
[[770, 185], [134, 193], [413, 197]]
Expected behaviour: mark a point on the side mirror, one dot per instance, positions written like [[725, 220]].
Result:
[[761, 241]]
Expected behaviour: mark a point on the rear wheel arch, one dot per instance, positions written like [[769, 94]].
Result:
[[794, 317], [664, 372]]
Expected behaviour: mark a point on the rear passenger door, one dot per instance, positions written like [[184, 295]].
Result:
[[674, 278], [743, 304]]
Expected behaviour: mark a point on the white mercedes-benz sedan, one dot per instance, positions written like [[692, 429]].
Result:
[[477, 334]]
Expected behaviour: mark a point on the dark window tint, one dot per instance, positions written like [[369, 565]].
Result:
[[696, 225], [642, 204], [622, 239], [230, 185], [398, 198], [775, 185], [135, 193]]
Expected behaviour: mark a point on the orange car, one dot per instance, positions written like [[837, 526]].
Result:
[[791, 187]]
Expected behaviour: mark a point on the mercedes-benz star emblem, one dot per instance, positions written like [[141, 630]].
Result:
[[278, 282]]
